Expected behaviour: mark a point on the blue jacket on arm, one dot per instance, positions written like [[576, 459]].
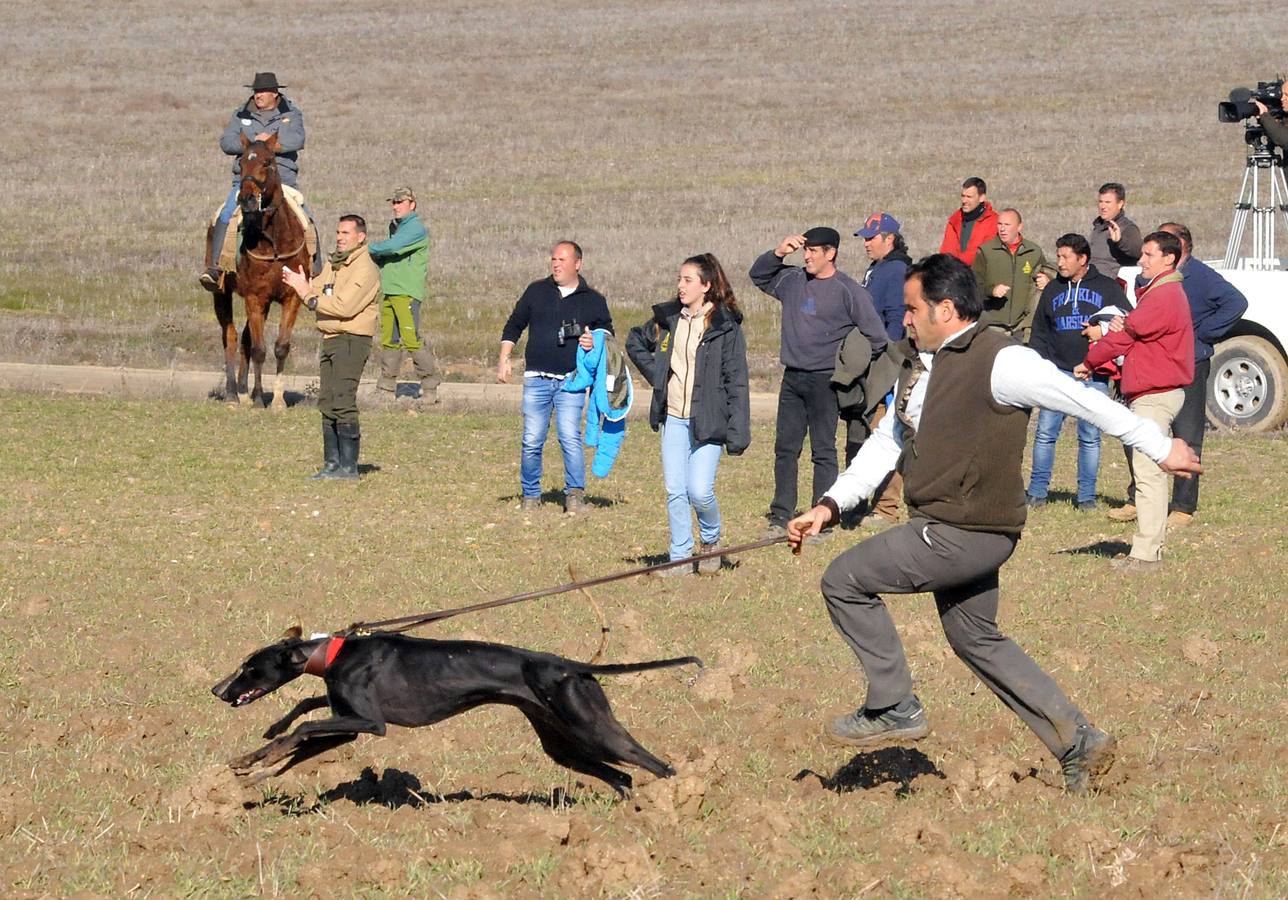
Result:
[[605, 423]]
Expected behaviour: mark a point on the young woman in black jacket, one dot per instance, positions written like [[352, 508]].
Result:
[[693, 353]]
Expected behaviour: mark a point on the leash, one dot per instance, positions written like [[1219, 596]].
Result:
[[406, 623]]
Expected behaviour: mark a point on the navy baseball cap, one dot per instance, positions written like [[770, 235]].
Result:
[[878, 223]]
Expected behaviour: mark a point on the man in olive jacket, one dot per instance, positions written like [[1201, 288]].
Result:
[[344, 296], [1007, 269]]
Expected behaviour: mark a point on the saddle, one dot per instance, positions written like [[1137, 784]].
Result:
[[226, 256]]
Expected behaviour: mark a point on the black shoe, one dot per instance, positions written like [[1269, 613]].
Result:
[[1090, 757], [330, 451], [1086, 505], [1035, 502], [350, 440], [211, 279], [861, 728]]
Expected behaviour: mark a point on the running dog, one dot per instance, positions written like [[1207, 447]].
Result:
[[382, 679]]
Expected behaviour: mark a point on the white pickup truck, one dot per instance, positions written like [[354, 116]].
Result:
[[1248, 387]]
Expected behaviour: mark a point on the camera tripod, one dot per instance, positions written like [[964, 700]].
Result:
[[1259, 199]]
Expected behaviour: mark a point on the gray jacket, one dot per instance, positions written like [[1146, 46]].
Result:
[[285, 120], [1109, 257]]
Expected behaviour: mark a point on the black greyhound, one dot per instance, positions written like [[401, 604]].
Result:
[[390, 679]]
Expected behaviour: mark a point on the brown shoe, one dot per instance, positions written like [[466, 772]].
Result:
[[1123, 513], [529, 504], [574, 501], [1178, 519]]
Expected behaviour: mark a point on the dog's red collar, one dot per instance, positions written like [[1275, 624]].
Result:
[[323, 655]]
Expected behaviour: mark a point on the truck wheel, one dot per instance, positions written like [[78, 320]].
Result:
[[1248, 386]]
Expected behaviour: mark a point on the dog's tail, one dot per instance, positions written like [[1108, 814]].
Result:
[[625, 668]]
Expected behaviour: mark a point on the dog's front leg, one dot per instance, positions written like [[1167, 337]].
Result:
[[282, 747], [304, 706]]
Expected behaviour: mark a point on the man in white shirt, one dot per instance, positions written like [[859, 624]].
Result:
[[957, 436]]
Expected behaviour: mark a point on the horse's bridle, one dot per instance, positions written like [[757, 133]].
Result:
[[267, 211]]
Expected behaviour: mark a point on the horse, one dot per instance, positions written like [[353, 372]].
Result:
[[272, 237]]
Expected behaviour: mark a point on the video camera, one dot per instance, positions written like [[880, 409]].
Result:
[[1241, 104]]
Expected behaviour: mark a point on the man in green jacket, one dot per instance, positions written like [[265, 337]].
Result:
[[1008, 268], [404, 268]]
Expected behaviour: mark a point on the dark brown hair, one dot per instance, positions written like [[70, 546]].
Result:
[[711, 272]]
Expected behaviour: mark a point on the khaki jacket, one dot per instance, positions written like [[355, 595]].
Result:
[[351, 307]]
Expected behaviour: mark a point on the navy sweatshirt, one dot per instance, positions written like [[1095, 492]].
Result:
[[884, 281], [1215, 305], [1062, 313], [541, 310]]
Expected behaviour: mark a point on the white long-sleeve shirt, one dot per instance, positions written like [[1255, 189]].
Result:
[[1020, 378]]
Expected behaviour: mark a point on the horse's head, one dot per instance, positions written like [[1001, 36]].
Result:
[[259, 179]]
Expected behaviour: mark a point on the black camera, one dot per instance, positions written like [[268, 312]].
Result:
[[568, 331], [1241, 104]]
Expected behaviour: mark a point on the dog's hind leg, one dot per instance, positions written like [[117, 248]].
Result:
[[582, 707], [304, 706], [567, 754]]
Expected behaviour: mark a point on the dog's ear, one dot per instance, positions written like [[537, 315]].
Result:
[[293, 633]]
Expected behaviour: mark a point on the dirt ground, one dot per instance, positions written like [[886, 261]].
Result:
[[149, 547]]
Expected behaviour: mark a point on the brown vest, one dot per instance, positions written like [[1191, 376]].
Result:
[[962, 466]]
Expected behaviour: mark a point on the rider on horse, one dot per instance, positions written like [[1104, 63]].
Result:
[[265, 113]]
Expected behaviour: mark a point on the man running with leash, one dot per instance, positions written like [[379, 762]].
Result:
[[957, 438]]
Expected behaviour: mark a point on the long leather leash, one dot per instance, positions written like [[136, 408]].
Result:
[[406, 623]]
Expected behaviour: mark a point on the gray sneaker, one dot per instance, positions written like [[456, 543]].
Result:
[[574, 501], [823, 536], [710, 566], [1090, 757], [674, 571], [529, 504], [905, 722], [774, 530]]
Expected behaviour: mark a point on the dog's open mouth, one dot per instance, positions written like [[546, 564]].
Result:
[[249, 697]]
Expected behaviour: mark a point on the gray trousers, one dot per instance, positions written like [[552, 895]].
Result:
[[960, 568]]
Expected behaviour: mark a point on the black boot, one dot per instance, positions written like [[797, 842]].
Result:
[[330, 451], [350, 438], [212, 279]]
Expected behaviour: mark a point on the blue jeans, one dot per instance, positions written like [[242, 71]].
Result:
[[541, 396], [1049, 425], [689, 471]]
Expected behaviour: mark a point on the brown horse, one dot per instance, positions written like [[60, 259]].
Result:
[[272, 237]]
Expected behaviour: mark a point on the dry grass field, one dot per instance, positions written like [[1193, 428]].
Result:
[[646, 131], [148, 547], [140, 567]]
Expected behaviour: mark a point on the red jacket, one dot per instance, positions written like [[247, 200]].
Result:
[[1157, 339], [985, 229]]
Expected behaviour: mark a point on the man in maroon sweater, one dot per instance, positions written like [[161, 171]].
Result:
[[1157, 339]]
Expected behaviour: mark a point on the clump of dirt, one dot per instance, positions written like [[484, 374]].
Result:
[[213, 791], [719, 679]]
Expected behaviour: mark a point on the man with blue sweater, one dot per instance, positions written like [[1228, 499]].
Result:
[[1078, 293], [821, 306], [1215, 305], [559, 313], [886, 248]]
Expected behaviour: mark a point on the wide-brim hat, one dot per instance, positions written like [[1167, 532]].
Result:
[[265, 81]]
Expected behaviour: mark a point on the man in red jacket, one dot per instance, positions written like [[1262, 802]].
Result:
[[971, 225], [1157, 339]]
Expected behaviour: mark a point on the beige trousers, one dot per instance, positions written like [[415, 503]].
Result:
[[1151, 481]]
